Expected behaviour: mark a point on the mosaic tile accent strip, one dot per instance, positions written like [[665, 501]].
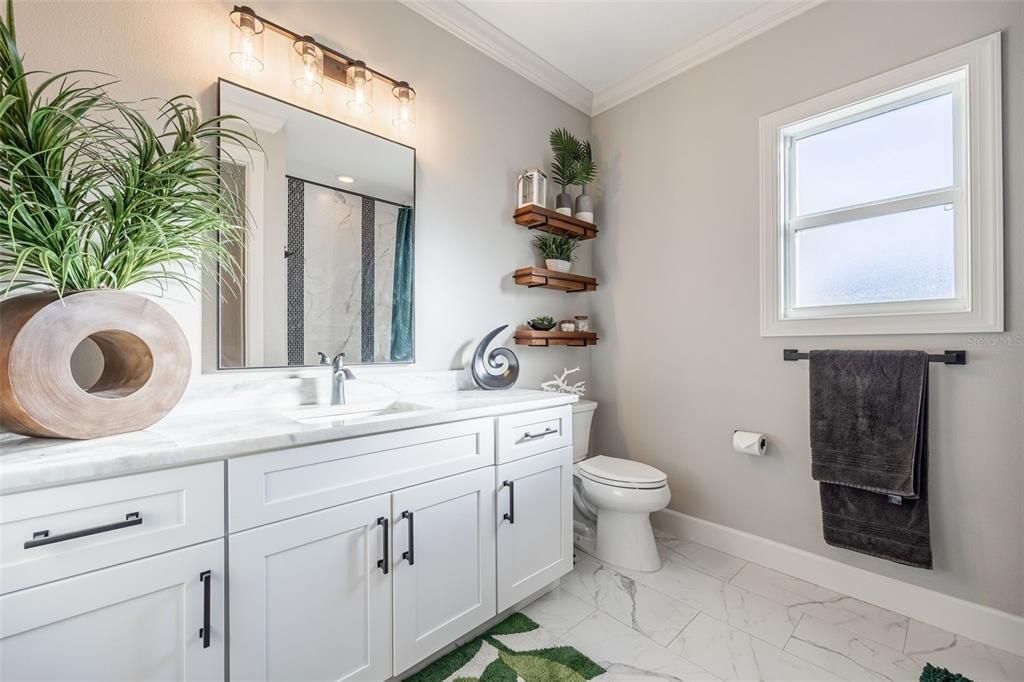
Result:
[[296, 271], [368, 274]]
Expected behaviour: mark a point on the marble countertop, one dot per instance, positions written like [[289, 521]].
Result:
[[29, 463]]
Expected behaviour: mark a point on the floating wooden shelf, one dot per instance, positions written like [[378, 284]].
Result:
[[544, 219], [550, 279], [532, 337]]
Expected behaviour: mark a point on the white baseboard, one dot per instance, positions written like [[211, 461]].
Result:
[[981, 623]]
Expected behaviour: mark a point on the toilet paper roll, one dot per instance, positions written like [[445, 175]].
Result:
[[749, 442]]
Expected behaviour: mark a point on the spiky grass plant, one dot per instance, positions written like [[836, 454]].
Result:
[[92, 195], [556, 246]]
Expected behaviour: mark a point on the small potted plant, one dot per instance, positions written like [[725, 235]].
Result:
[[566, 150], [559, 251], [542, 323]]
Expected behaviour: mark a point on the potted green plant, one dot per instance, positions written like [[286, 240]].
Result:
[[586, 172], [96, 199], [542, 323], [558, 250], [565, 149]]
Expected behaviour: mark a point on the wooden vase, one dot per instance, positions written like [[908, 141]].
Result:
[[146, 364]]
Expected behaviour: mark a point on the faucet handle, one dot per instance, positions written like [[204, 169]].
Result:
[[323, 357], [339, 361]]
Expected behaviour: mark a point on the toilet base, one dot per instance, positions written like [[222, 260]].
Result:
[[626, 539]]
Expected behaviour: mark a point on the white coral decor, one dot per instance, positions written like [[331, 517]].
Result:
[[560, 385]]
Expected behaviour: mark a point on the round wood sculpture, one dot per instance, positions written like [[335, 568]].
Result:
[[146, 364]]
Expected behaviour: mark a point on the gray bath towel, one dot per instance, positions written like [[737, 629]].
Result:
[[869, 450]]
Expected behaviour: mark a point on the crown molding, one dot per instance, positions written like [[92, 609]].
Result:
[[743, 29], [465, 24], [470, 27]]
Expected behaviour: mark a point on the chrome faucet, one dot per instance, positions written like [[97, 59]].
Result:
[[339, 373]]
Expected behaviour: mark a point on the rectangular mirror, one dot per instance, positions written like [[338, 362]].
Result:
[[327, 265]]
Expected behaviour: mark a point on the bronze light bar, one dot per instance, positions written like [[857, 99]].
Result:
[[335, 63]]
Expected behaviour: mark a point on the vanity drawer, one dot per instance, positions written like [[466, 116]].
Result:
[[54, 533], [279, 485], [531, 433]]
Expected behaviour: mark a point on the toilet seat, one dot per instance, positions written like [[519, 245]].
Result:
[[621, 473]]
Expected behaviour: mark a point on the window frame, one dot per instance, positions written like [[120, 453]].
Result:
[[971, 73]]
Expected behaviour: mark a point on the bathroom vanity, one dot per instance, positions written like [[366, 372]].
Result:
[[321, 543]]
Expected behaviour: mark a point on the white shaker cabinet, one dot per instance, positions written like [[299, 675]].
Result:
[[160, 618], [311, 596], [443, 559], [534, 524]]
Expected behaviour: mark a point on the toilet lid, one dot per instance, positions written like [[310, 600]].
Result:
[[621, 471]]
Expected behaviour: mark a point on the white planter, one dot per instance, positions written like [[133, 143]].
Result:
[[558, 265]]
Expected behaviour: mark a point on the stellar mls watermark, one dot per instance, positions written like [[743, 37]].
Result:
[[994, 340]]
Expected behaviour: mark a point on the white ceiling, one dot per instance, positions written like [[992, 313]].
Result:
[[599, 44], [596, 54]]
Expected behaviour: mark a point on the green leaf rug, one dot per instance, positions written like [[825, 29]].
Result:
[[508, 652], [934, 674]]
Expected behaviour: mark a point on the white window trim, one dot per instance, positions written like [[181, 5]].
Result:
[[979, 269]]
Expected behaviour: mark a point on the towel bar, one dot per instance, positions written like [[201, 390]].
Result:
[[949, 357]]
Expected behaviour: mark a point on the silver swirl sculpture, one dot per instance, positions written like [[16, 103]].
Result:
[[498, 369]]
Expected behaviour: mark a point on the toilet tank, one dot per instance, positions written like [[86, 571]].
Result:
[[582, 416]]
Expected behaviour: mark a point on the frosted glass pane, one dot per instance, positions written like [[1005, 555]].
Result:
[[904, 151], [902, 257]]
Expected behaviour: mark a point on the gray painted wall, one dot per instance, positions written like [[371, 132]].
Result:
[[681, 364], [478, 125]]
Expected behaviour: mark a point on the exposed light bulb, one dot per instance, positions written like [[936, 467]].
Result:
[[404, 108], [360, 79], [246, 40], [307, 66]]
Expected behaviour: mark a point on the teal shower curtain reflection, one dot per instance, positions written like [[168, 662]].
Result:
[[401, 310]]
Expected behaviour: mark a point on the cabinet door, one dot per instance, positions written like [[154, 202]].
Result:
[[534, 524], [443, 562], [308, 599], [160, 618]]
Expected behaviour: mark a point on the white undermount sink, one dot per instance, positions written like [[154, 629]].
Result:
[[355, 412]]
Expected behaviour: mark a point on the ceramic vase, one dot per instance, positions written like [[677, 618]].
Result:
[[558, 265], [584, 207], [146, 363], [563, 203]]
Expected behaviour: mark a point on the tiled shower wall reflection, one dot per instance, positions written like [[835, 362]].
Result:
[[340, 274]]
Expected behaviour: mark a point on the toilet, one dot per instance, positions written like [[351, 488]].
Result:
[[613, 500]]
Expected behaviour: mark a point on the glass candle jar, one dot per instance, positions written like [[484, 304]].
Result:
[[583, 323]]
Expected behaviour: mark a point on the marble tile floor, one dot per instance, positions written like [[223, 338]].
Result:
[[711, 616]]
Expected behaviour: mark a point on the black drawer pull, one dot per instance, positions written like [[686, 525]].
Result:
[[385, 563], [510, 515], [546, 432], [43, 537], [204, 632], [409, 554]]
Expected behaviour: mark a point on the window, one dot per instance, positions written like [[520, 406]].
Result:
[[882, 203]]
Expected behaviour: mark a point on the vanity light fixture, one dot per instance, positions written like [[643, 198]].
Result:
[[404, 106], [246, 39], [312, 62], [307, 66], [360, 79]]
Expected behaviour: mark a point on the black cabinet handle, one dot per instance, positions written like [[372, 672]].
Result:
[[409, 554], [43, 537], [385, 563], [510, 515], [546, 432], [204, 632]]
